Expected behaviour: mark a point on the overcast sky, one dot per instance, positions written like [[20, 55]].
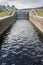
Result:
[[23, 3]]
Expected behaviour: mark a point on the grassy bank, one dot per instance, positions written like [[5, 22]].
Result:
[[40, 13], [5, 13]]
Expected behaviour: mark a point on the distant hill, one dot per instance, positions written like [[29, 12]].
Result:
[[32, 8], [2, 8]]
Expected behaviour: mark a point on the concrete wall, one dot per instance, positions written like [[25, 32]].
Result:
[[37, 21], [6, 22]]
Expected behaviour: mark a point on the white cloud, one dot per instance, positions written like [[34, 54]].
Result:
[[23, 3]]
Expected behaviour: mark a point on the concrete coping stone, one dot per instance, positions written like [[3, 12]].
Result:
[[37, 16], [2, 18]]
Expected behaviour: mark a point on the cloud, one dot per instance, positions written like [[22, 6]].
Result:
[[23, 3]]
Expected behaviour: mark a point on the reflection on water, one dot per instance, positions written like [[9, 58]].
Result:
[[21, 45]]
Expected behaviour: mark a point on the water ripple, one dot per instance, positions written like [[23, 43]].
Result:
[[21, 45]]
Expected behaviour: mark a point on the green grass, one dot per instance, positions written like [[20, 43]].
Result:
[[40, 13], [5, 13]]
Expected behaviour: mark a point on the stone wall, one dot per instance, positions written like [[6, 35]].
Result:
[[37, 21], [6, 22]]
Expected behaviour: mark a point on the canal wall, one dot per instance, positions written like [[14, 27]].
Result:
[[5, 22], [37, 21]]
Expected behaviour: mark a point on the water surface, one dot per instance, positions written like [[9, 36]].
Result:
[[21, 45]]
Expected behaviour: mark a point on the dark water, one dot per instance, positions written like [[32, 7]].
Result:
[[22, 15], [21, 45]]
